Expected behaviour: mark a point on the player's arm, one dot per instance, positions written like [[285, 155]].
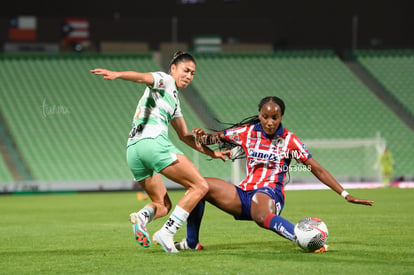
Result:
[[144, 78], [324, 176], [212, 138], [188, 138]]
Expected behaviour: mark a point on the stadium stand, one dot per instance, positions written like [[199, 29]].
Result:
[[324, 100], [5, 175], [69, 124], [393, 69]]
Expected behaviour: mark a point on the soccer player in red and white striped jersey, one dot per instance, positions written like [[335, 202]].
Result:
[[269, 149], [268, 157]]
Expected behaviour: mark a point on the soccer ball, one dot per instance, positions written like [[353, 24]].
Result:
[[311, 233]]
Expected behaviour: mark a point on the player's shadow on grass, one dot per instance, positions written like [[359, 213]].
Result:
[[259, 246]]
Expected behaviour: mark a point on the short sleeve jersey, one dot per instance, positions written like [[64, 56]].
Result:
[[156, 108], [268, 159]]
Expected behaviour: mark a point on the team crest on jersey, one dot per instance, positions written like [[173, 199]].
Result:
[[235, 137], [161, 83], [278, 143]]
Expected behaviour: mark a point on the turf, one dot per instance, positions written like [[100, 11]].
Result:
[[90, 233]]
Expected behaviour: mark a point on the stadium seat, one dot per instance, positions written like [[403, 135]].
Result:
[[324, 99], [70, 124], [5, 175], [394, 70]]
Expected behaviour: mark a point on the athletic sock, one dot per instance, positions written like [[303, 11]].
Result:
[[147, 213], [281, 226], [193, 224], [174, 222]]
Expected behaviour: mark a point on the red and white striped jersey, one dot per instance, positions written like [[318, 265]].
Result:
[[268, 159]]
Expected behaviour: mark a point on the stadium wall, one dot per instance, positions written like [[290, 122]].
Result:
[[283, 24]]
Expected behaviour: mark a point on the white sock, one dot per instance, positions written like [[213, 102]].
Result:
[[174, 222], [147, 213]]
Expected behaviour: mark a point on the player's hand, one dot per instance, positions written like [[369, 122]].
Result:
[[199, 134], [223, 155], [109, 75], [355, 200]]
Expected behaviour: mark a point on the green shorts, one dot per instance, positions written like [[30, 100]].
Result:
[[149, 156]]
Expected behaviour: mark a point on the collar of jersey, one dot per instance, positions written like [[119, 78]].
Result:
[[279, 131]]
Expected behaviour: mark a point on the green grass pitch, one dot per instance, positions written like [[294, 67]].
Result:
[[90, 233]]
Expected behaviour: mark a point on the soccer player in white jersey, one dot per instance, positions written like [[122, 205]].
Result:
[[150, 152], [269, 149]]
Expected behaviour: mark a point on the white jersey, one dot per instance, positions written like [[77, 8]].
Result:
[[156, 108]]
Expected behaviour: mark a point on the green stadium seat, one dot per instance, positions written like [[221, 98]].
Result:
[[394, 70], [324, 99], [5, 174], [70, 125]]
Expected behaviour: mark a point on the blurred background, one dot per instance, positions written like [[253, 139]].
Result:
[[344, 68]]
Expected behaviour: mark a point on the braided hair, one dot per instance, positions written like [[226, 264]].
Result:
[[239, 153], [273, 99], [180, 56], [255, 119]]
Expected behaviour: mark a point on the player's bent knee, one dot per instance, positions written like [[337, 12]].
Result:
[[205, 186], [200, 188]]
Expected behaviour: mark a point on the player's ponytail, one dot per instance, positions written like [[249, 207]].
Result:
[[255, 119], [239, 154], [237, 151], [246, 121]]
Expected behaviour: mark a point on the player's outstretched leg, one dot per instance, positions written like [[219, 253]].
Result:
[[281, 226], [286, 229]]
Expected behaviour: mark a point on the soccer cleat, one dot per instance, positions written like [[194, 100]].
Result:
[[166, 241], [183, 245], [324, 248], [140, 231]]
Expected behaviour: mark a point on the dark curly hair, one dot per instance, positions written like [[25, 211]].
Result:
[[238, 153], [255, 119]]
